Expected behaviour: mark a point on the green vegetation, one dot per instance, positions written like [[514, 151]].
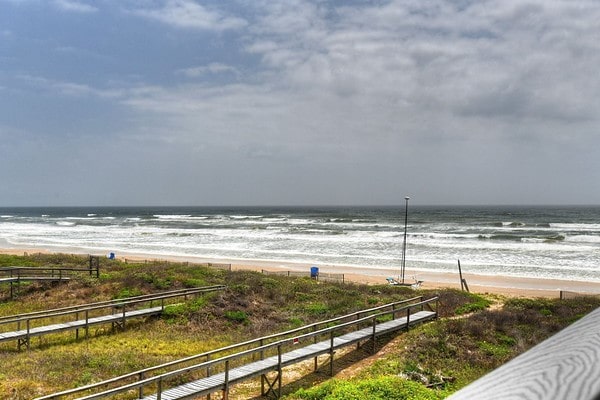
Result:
[[476, 303], [382, 388], [428, 362]]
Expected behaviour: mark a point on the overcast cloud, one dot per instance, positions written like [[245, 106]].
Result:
[[265, 102]]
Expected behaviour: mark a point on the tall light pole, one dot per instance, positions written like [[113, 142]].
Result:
[[404, 246]]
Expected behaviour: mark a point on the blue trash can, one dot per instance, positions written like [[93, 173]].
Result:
[[314, 272]]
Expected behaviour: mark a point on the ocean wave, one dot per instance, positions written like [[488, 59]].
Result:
[[65, 223], [576, 226], [583, 239], [495, 243], [513, 224], [500, 236], [547, 239], [245, 216]]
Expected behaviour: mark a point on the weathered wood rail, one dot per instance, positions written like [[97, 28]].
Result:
[[21, 328], [565, 366], [16, 275], [219, 369]]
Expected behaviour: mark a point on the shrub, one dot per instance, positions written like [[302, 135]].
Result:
[[382, 388], [317, 308], [128, 292], [476, 303], [237, 316]]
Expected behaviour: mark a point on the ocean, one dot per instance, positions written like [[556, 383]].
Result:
[[543, 242]]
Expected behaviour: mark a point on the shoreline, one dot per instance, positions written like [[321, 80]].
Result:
[[502, 285]]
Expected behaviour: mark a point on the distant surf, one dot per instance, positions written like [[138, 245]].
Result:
[[544, 242]]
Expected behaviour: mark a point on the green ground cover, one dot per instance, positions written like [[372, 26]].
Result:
[[473, 335]]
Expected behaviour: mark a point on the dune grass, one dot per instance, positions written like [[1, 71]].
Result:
[[431, 360]]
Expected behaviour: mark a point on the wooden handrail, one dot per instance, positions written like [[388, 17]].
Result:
[[565, 366], [227, 358], [106, 304]]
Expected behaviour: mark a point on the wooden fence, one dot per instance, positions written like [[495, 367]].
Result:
[[321, 276], [565, 294], [14, 276]]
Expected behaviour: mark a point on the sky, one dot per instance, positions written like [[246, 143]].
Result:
[[296, 102]]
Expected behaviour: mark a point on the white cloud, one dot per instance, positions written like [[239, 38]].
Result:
[[74, 6], [191, 15], [212, 68], [71, 89], [394, 88], [515, 59]]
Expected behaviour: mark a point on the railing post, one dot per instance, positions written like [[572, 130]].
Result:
[[208, 373], [331, 353], [374, 335], [87, 318], [279, 371], [262, 351], [28, 326], [316, 361], [407, 318], [357, 328], [159, 389], [141, 388], [77, 329], [226, 387]]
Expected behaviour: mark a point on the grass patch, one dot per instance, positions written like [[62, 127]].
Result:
[[448, 353], [476, 303], [381, 388], [236, 316]]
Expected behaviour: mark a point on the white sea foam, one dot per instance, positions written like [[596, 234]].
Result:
[[373, 240], [65, 223], [583, 239]]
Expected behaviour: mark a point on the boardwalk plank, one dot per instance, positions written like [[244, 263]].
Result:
[[72, 325], [216, 382]]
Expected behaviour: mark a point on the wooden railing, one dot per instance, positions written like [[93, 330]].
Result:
[[25, 323], [563, 367], [207, 365]]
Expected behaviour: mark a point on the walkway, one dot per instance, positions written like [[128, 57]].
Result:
[[217, 370], [115, 312]]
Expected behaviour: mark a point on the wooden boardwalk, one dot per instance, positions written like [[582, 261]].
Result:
[[114, 312], [17, 279], [16, 275], [24, 335], [221, 381], [239, 362]]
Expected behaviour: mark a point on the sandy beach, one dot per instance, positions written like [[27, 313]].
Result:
[[508, 286]]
